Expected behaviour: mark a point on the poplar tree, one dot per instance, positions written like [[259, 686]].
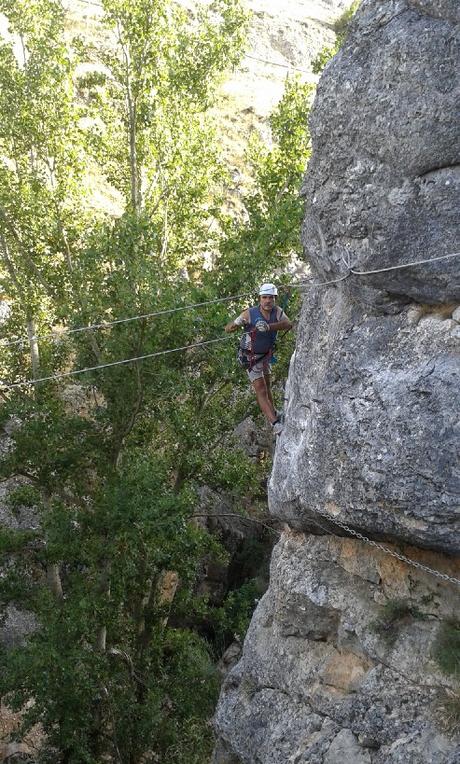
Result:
[[108, 669], [111, 460]]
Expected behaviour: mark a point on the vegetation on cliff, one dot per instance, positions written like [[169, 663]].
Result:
[[341, 26]]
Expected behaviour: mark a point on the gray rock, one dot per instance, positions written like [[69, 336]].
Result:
[[454, 756], [350, 694], [15, 623], [252, 438], [371, 432], [383, 184], [371, 428], [406, 750], [216, 513], [345, 749], [222, 755], [15, 626], [21, 517], [230, 658]]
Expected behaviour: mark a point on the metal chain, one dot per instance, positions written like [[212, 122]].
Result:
[[387, 550]]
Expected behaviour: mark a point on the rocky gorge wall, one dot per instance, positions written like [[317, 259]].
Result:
[[340, 661]]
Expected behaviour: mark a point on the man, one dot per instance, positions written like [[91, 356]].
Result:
[[263, 321]]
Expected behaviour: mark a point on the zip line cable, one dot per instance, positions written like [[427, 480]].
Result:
[[405, 265], [108, 324], [169, 311], [352, 270], [310, 282], [188, 307], [112, 363], [275, 63]]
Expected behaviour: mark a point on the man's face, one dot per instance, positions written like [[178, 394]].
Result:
[[267, 301]]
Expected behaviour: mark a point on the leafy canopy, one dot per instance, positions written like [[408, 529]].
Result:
[[112, 463]]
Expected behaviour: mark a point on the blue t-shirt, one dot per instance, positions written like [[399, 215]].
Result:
[[263, 341]]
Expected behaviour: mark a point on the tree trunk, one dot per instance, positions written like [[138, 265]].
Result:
[[54, 579], [135, 184], [33, 345]]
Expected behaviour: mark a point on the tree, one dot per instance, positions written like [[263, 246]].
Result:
[[265, 240], [41, 168], [267, 237], [106, 668], [341, 27], [110, 574]]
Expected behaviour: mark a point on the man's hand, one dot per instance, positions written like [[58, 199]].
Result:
[[238, 322], [262, 326]]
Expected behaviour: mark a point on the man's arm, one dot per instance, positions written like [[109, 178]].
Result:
[[282, 323], [232, 326]]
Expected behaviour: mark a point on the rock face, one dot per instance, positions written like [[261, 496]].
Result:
[[374, 384], [283, 39], [383, 186], [339, 662], [326, 676], [15, 624], [371, 436]]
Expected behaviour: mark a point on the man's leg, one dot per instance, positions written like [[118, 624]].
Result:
[[264, 398], [269, 389]]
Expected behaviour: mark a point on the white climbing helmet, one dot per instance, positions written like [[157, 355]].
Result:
[[268, 289]]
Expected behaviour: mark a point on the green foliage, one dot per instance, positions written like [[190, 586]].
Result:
[[341, 27], [268, 238], [114, 461], [448, 711], [252, 559], [393, 615], [114, 477], [104, 696], [447, 654], [447, 648], [342, 24], [12, 540], [326, 53], [23, 496], [231, 619], [138, 686]]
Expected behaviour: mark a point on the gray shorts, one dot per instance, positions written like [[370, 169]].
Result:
[[260, 369]]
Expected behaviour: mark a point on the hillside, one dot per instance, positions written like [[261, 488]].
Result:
[[283, 39]]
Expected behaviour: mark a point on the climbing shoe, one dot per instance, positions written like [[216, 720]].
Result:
[[277, 427]]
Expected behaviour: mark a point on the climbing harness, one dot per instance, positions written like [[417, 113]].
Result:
[[257, 341], [246, 355]]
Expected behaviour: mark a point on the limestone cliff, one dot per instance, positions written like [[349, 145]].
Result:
[[339, 664]]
